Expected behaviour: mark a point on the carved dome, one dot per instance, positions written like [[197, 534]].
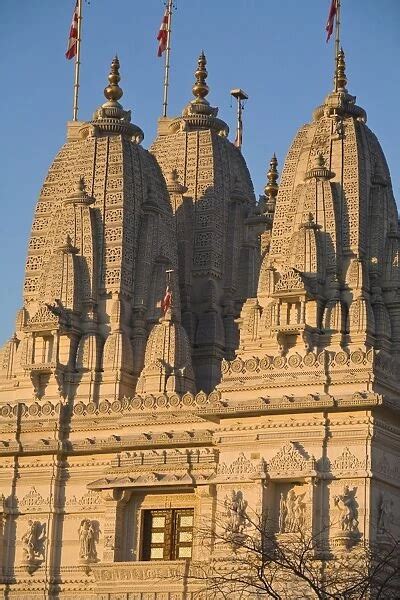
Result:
[[167, 363], [353, 185], [336, 179], [330, 282], [217, 246], [102, 233]]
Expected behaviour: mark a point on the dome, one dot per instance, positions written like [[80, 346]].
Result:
[[102, 224], [329, 284], [218, 248], [336, 218], [167, 364]]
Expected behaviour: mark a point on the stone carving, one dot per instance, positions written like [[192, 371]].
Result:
[[290, 280], [346, 462], [33, 499], [289, 460], [107, 281], [88, 536], [33, 540], [236, 518], [388, 468], [385, 514], [347, 507], [90, 499], [292, 512], [241, 466]]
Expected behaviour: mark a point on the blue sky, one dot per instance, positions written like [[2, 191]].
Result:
[[274, 50]]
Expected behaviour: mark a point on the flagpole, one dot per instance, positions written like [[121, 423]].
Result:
[[167, 59], [337, 39], [239, 124], [77, 62]]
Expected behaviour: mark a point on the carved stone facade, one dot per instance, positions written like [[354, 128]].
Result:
[[269, 385]]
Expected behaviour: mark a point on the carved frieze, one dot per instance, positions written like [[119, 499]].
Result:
[[241, 469], [290, 462], [90, 500], [347, 463], [33, 502]]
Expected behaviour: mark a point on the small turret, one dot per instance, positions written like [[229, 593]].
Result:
[[271, 190]]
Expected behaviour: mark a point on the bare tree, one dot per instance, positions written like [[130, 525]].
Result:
[[248, 559]]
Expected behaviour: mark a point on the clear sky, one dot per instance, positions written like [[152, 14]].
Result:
[[274, 49]]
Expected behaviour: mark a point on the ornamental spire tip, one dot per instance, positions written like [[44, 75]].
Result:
[[113, 92]]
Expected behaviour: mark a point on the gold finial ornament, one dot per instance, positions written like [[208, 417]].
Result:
[[198, 114], [341, 79], [271, 188], [113, 92], [200, 88], [111, 118]]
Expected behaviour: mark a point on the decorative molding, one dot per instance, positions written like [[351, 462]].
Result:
[[33, 501], [290, 462], [347, 462], [240, 466]]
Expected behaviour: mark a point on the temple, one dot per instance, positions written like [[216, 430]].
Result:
[[269, 379]]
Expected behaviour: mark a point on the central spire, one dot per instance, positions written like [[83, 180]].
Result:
[[340, 74], [198, 114], [113, 92], [340, 103], [111, 118], [200, 88]]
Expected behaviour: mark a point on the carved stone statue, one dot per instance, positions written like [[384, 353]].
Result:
[[88, 538], [236, 513], [33, 540], [292, 512], [385, 514], [347, 507]]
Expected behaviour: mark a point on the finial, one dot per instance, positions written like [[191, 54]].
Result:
[[271, 188], [80, 185], [200, 88], [319, 170], [113, 92], [341, 79], [67, 247], [309, 222], [173, 184], [79, 195]]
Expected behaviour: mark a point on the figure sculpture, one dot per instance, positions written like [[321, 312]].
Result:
[[384, 514], [292, 512], [347, 507], [236, 513], [32, 541], [87, 538]]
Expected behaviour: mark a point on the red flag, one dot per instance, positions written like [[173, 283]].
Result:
[[331, 19], [73, 35], [166, 301], [163, 34]]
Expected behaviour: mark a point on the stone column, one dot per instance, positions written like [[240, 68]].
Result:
[[113, 529], [205, 515]]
